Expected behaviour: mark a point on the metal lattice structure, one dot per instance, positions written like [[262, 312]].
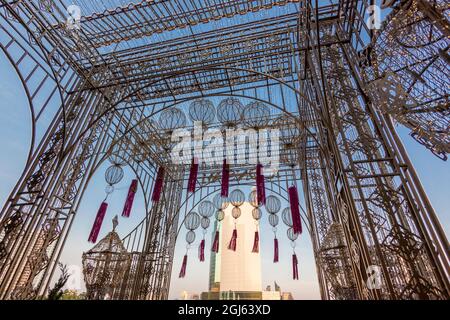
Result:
[[118, 84]]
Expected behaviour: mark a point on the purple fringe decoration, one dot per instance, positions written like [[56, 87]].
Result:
[[215, 246], [193, 176], [201, 251], [294, 267], [157, 190], [260, 187], [295, 211], [98, 222], [275, 250], [130, 199], [232, 244], [183, 267], [225, 179], [256, 243]]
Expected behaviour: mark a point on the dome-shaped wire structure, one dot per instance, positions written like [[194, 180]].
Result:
[[114, 174], [273, 220], [236, 212], [171, 119], [256, 115], [202, 110], [273, 204], [205, 222], [206, 209], [291, 234], [257, 213], [286, 216], [220, 203], [220, 215], [253, 199], [104, 267], [192, 221], [229, 111], [190, 236], [237, 198]]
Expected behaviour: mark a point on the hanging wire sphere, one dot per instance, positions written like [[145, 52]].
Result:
[[220, 203], [206, 209], [192, 221], [291, 234], [220, 215], [256, 213], [253, 199], [109, 189], [273, 204], [171, 119], [256, 115], [229, 111], [286, 216], [202, 110], [190, 236], [273, 220], [237, 198], [236, 212], [113, 174], [205, 223]]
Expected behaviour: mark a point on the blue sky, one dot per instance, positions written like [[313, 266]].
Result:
[[14, 144]]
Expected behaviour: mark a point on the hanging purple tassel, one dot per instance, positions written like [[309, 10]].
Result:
[[130, 199], [275, 250], [232, 244], [295, 211], [183, 267], [215, 246], [225, 179], [256, 243], [294, 267], [98, 222], [260, 187], [201, 251], [157, 190], [193, 176]]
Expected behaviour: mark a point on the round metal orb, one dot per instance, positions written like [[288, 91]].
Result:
[[118, 155], [220, 215], [113, 174], [256, 213], [206, 209], [171, 119], [291, 235], [236, 212], [192, 221], [273, 204], [273, 220], [286, 216], [237, 198], [256, 114], [220, 203], [190, 236], [229, 111], [205, 223], [202, 110], [253, 199], [109, 189]]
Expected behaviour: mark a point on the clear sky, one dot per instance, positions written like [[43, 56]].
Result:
[[14, 143]]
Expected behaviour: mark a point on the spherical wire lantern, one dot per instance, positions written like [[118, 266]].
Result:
[[229, 111], [257, 214], [273, 204], [114, 174], [206, 209], [171, 119], [236, 212], [286, 216], [273, 220], [256, 115], [220, 203], [190, 237], [237, 198], [203, 111], [253, 199], [220, 215], [192, 221]]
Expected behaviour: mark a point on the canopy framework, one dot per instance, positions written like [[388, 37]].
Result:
[[312, 64]]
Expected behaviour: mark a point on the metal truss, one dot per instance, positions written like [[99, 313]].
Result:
[[318, 68]]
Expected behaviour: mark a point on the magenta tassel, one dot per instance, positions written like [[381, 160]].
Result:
[[130, 199], [232, 244], [183, 267], [201, 251], [157, 190], [275, 250], [98, 222], [256, 243], [260, 187], [294, 267], [193, 176], [295, 211], [225, 179], [215, 246]]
